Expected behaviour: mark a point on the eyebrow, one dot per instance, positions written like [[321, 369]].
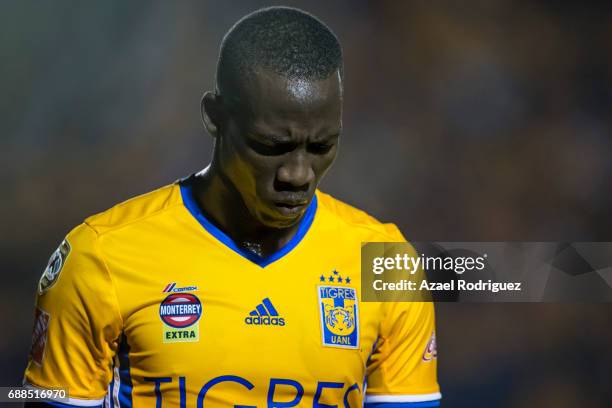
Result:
[[276, 138], [333, 135], [270, 137]]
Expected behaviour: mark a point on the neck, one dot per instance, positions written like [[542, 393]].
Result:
[[221, 203]]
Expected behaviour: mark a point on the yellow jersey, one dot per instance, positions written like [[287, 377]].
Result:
[[149, 304]]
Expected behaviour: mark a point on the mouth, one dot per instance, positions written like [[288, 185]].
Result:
[[291, 208]]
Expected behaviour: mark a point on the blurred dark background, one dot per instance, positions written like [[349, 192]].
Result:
[[479, 120]]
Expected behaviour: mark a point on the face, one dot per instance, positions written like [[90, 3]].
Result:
[[278, 140]]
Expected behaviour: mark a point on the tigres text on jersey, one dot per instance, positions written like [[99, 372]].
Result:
[[151, 305]]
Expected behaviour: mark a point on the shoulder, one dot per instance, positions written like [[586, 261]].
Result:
[[346, 216], [136, 209]]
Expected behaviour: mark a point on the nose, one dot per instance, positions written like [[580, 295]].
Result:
[[296, 172]]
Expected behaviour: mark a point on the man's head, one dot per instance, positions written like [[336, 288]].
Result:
[[276, 112]]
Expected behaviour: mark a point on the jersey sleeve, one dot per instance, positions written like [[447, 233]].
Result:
[[402, 369], [403, 366], [77, 322]]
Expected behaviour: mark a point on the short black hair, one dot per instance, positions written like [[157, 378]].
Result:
[[288, 41]]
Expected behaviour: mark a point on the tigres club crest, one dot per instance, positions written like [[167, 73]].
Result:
[[54, 267], [339, 316]]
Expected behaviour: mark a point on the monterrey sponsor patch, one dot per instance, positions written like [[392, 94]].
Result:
[[54, 267], [431, 350], [180, 314], [339, 316], [39, 336]]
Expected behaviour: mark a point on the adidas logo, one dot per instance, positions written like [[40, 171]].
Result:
[[265, 314]]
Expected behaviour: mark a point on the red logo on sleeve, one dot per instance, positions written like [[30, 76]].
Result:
[[39, 336]]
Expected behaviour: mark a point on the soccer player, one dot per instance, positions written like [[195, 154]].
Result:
[[238, 285]]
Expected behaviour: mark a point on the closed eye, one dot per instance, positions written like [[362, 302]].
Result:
[[270, 149], [320, 148]]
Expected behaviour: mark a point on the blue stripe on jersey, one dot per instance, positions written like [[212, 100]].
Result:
[[110, 397], [190, 203], [111, 392], [423, 404], [270, 307], [125, 383]]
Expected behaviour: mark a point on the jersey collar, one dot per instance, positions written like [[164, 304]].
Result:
[[192, 206]]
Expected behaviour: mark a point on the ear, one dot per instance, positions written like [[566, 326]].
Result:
[[211, 112]]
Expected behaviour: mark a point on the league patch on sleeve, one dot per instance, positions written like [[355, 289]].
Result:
[[39, 336], [431, 350], [54, 267]]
